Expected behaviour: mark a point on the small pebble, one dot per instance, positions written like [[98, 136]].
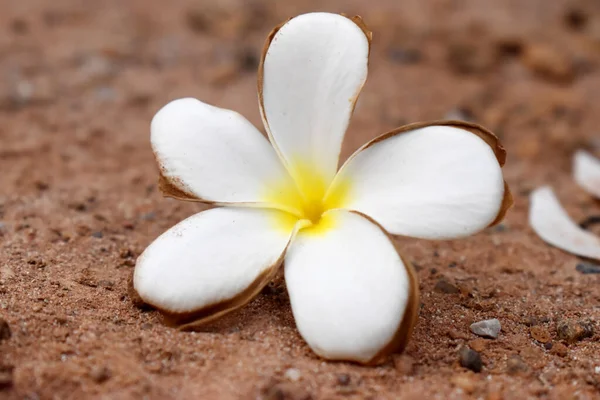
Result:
[[549, 62], [540, 334], [515, 365], [343, 379], [478, 344], [559, 349], [6, 377], [292, 374], [470, 359], [443, 286], [405, 55], [464, 382], [460, 114], [573, 331], [405, 364], [100, 374], [5, 332], [587, 268], [97, 235], [489, 328]]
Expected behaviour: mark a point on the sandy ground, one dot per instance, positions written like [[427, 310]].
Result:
[[79, 83]]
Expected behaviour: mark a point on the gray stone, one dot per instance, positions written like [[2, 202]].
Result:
[[489, 328]]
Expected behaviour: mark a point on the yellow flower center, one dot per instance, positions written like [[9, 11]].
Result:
[[308, 200]]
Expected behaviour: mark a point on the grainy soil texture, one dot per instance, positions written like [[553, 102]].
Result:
[[79, 84]]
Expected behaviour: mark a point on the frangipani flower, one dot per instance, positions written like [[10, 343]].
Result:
[[353, 297]]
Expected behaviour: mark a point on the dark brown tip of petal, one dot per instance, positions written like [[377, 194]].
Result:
[[357, 19], [403, 334], [170, 189], [195, 319], [507, 203]]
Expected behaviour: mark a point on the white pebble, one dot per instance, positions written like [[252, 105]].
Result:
[[292, 374]]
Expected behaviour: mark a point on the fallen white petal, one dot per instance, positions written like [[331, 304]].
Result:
[[586, 169], [552, 223], [435, 182], [214, 154], [212, 261], [349, 288], [312, 74]]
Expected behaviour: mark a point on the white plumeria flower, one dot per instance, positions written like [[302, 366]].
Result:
[[353, 297]]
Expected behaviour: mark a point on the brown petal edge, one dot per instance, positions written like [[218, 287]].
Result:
[[261, 69], [195, 319], [403, 334], [486, 135]]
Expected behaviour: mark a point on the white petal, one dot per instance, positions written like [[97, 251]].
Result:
[[552, 223], [349, 289], [213, 261], [586, 169], [214, 154], [434, 182], [312, 73]]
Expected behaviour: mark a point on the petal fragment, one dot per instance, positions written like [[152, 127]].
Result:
[[432, 182], [586, 169], [352, 296], [212, 262], [312, 71], [552, 223], [213, 154]]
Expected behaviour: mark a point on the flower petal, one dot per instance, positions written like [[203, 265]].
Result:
[[552, 223], [586, 169], [311, 74], [352, 296], [434, 181], [213, 154], [212, 262]]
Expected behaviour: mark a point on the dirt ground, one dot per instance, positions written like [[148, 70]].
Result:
[[79, 83]]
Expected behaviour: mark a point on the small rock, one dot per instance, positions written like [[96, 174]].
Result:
[[292, 374], [470, 359], [106, 284], [478, 344], [573, 331], [464, 382], [343, 379], [489, 328], [549, 63], [404, 364], [456, 335], [443, 286], [6, 377], [540, 334], [98, 235], [5, 332], [151, 216], [515, 365], [460, 114], [100, 374], [588, 268], [470, 55], [559, 349], [406, 55], [576, 18]]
